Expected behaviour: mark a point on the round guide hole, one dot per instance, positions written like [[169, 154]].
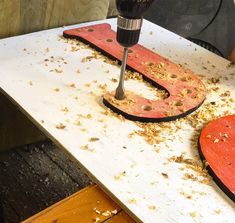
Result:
[[178, 103], [109, 40], [173, 76], [184, 79], [147, 108], [150, 64]]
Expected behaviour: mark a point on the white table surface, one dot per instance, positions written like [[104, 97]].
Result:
[[143, 191]]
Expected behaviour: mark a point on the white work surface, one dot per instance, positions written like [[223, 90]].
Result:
[[136, 174]]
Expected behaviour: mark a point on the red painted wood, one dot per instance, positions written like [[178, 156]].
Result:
[[217, 146], [186, 90]]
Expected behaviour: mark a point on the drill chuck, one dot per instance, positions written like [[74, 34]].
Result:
[[128, 31], [130, 20]]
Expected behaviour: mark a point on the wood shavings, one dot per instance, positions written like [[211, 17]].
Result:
[[72, 85], [206, 181], [74, 48], [93, 139], [107, 213], [84, 130], [87, 85], [81, 116], [152, 207], [130, 135], [109, 112], [114, 80], [127, 101], [47, 50], [78, 122], [87, 148], [207, 113], [56, 89], [114, 211], [153, 132], [58, 71], [65, 110], [60, 126], [165, 175], [187, 196], [218, 211], [133, 76], [188, 176], [213, 80], [193, 214], [195, 165], [89, 116], [95, 55], [177, 159], [110, 61], [97, 220], [97, 211], [91, 93], [120, 175], [226, 94], [132, 201], [60, 61], [103, 87], [225, 135], [153, 183]]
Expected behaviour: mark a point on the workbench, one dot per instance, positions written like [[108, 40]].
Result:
[[59, 86]]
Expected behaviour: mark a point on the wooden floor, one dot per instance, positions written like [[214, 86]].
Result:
[[34, 177]]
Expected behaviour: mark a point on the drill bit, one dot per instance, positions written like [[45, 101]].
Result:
[[120, 93]]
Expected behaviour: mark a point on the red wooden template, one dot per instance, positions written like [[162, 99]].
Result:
[[217, 147], [186, 91]]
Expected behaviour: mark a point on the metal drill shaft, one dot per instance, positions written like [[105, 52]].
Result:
[[120, 94]]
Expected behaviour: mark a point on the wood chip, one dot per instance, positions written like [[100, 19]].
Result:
[[60, 126]]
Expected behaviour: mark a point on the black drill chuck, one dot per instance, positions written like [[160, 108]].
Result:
[[130, 20]]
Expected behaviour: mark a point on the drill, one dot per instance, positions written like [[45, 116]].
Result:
[[129, 25]]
